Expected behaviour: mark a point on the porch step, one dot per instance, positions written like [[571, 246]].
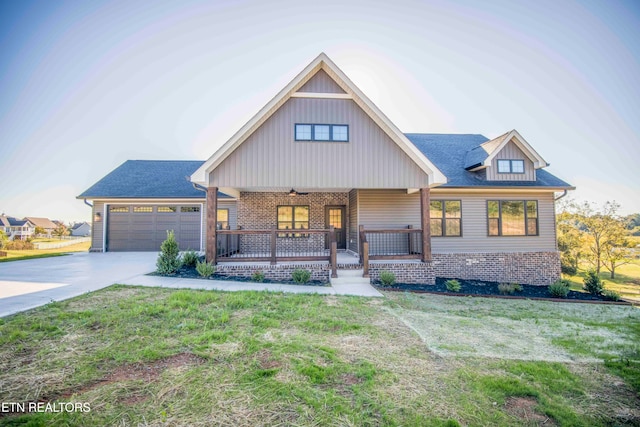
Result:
[[350, 277], [350, 273]]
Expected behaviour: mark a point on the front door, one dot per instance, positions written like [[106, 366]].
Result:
[[335, 215]]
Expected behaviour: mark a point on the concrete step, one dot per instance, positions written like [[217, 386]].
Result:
[[350, 281], [350, 273]]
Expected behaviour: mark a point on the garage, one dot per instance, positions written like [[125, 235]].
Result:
[[144, 227]]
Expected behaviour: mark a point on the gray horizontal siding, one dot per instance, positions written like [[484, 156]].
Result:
[[396, 209], [511, 151], [270, 158], [321, 83]]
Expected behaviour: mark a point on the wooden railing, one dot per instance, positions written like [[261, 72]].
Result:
[[275, 245]]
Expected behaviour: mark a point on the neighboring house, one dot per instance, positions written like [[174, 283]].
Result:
[[82, 229], [45, 223], [321, 168], [17, 229]]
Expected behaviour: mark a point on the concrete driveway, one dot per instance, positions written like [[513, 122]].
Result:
[[32, 283]]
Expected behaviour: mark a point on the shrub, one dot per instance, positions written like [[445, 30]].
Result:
[[610, 295], [205, 269], [568, 266], [19, 245], [300, 275], [453, 285], [509, 288], [592, 283], [168, 261], [257, 276], [559, 289], [387, 278], [190, 258]]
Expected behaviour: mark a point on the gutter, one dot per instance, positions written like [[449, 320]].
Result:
[[564, 193]]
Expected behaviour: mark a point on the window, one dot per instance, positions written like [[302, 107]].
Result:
[[293, 218], [317, 132], [512, 217], [142, 209], [186, 209], [223, 219], [118, 209], [510, 166], [445, 218], [167, 209]]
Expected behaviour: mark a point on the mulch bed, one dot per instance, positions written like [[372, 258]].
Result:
[[490, 289], [191, 273]]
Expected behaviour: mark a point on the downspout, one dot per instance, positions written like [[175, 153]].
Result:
[[87, 203], [561, 196]]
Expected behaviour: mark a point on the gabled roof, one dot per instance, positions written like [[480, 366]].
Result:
[[42, 222], [322, 62], [450, 153], [481, 156], [9, 221], [79, 224], [148, 179]]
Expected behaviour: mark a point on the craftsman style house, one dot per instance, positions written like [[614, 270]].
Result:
[[321, 176]]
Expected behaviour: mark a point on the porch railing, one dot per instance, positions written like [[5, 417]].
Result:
[[392, 244], [272, 245]]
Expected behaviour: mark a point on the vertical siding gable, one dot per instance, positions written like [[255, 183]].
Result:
[[270, 158], [321, 83], [511, 151]]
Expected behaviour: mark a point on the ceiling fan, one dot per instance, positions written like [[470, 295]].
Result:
[[296, 193]]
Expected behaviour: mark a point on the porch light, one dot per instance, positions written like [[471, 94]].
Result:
[[97, 217]]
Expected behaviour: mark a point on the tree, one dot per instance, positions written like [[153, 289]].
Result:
[[60, 231], [3, 239], [570, 241], [619, 253], [39, 231]]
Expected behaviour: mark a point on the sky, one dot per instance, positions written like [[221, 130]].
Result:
[[86, 85]]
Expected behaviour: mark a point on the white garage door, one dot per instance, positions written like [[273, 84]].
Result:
[[144, 227]]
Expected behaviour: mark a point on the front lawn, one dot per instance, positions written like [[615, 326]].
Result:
[[148, 356]]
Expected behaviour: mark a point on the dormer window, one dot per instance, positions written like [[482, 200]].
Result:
[[510, 166]]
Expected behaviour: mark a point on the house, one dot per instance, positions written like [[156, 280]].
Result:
[[82, 229], [16, 229], [45, 223], [320, 173]]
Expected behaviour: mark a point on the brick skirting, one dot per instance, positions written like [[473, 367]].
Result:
[[405, 272], [319, 272], [532, 268]]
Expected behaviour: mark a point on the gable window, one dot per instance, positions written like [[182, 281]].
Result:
[[512, 217], [322, 132], [510, 166], [293, 218], [445, 218]]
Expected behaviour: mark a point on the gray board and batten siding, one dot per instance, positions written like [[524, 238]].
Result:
[[397, 209], [271, 158], [512, 152]]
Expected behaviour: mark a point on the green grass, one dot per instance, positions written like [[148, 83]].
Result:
[[160, 356], [13, 255], [626, 282]]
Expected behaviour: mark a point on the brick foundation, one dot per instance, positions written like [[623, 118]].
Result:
[[413, 272], [279, 272], [533, 268]]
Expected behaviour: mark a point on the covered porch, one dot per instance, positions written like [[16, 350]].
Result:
[[316, 227]]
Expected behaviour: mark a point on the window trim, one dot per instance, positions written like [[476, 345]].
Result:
[[313, 132], [290, 233], [511, 162], [526, 218], [444, 218]]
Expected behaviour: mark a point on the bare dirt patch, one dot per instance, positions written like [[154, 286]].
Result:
[[524, 408]]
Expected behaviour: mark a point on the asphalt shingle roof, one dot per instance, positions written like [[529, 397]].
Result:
[[451, 152], [147, 179]]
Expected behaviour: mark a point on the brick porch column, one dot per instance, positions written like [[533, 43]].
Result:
[[212, 220], [425, 217]]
